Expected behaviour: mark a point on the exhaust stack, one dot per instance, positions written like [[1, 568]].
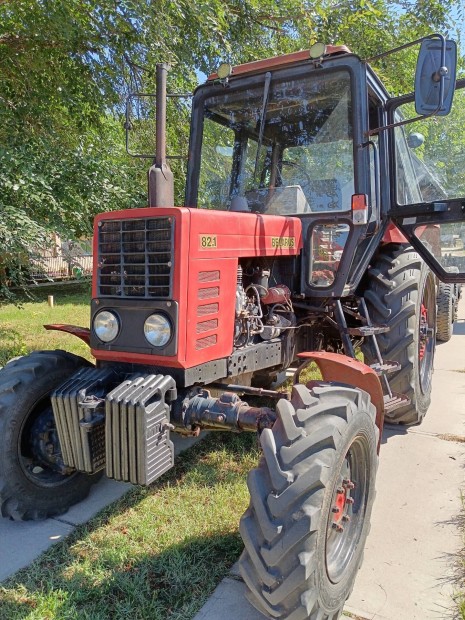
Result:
[[160, 177]]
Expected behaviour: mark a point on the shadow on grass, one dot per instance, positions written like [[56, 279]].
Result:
[[172, 584], [128, 563]]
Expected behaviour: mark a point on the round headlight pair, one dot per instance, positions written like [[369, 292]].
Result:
[[157, 328]]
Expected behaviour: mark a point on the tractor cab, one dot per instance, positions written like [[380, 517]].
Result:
[[281, 143], [315, 135]]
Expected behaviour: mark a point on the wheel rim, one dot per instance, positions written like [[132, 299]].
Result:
[[426, 340], [39, 449], [348, 509]]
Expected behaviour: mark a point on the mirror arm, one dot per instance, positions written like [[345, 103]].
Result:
[[373, 132], [439, 76], [407, 45]]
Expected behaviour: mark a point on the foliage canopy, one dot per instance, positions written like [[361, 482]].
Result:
[[67, 66]]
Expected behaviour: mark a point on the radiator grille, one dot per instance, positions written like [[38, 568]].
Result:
[[135, 258]]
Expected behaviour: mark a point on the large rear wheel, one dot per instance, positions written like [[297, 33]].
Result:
[[310, 503], [401, 294], [34, 482], [446, 311]]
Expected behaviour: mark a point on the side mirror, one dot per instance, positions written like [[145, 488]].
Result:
[[435, 76]]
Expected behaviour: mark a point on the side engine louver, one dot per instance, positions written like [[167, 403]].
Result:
[[138, 446]]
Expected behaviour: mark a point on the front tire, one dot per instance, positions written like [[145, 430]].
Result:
[[34, 483], [306, 526], [401, 294]]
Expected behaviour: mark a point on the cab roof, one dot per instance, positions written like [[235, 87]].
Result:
[[258, 66]]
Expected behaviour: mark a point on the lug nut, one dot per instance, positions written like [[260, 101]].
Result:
[[335, 509], [340, 491], [337, 527], [350, 500], [346, 518], [348, 484]]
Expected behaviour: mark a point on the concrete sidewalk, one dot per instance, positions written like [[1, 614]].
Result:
[[408, 569], [22, 542]]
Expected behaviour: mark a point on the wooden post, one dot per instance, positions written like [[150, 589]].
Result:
[[50, 301]]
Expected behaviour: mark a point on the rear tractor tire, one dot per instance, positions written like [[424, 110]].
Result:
[[310, 503], [401, 294], [448, 302], [446, 311], [34, 483]]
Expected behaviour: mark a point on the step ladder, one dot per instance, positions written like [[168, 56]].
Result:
[[382, 368]]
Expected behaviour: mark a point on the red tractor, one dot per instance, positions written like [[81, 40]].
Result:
[[291, 247]]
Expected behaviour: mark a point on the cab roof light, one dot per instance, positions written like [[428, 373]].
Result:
[[318, 50], [224, 70]]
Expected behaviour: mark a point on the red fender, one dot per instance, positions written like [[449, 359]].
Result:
[[344, 369], [80, 332]]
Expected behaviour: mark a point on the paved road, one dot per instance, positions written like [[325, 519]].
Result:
[[408, 568]]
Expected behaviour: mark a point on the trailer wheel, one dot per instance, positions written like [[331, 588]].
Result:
[[34, 483], [310, 503], [402, 294], [446, 311]]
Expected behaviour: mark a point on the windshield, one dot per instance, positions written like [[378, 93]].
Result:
[[281, 147]]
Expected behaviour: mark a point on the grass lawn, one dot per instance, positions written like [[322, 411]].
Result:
[[158, 553], [21, 328]]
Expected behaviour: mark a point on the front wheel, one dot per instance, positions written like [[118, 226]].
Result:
[[310, 503], [34, 482]]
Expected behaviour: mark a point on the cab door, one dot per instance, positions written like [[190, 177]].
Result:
[[428, 183]]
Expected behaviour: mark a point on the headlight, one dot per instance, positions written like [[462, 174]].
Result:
[[157, 330], [106, 326]]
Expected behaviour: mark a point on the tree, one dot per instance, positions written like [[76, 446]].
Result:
[[67, 66]]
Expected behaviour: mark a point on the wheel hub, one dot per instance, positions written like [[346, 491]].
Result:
[[426, 335], [347, 511], [424, 331], [41, 454], [342, 504]]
